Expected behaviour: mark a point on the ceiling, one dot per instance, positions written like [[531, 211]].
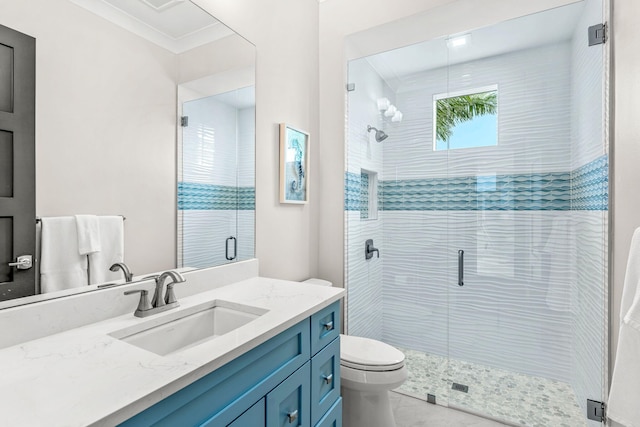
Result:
[[551, 26], [176, 25]]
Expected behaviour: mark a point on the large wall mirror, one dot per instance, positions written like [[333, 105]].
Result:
[[145, 110]]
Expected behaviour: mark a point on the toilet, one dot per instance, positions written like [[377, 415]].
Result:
[[368, 370]]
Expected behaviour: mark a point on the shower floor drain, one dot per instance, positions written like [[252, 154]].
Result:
[[460, 387]]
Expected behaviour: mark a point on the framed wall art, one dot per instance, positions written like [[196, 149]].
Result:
[[294, 165]]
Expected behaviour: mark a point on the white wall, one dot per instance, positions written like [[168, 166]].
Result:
[[285, 33]]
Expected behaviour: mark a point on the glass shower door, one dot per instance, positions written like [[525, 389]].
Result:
[[491, 218], [521, 311]]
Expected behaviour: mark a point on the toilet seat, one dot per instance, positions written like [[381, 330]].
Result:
[[369, 355]]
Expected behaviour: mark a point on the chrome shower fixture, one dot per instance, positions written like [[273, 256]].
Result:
[[380, 135]]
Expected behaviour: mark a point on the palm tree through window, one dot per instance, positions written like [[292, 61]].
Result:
[[466, 120]]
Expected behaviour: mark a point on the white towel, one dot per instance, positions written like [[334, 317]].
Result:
[[625, 383], [88, 234], [112, 250], [61, 265]]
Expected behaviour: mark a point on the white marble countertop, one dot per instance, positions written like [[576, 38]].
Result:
[[85, 377]]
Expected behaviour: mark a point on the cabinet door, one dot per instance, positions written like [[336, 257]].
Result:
[[288, 405], [325, 327], [254, 417], [333, 418], [325, 380]]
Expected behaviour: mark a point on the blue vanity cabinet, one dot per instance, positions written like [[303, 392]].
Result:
[[254, 416], [279, 383], [220, 397]]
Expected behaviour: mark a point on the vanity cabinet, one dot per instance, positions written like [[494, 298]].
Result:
[[282, 382], [255, 416]]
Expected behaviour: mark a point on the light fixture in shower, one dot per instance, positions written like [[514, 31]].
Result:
[[383, 104], [380, 135], [397, 117], [389, 110]]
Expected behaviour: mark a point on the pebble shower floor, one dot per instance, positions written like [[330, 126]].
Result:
[[506, 396]]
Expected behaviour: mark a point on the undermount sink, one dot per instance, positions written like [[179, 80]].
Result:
[[189, 327]]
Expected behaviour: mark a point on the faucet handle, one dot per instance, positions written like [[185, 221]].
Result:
[[170, 296], [143, 304]]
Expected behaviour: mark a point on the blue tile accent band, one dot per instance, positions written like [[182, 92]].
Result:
[[590, 186], [194, 196], [352, 190], [364, 196], [585, 188], [500, 192]]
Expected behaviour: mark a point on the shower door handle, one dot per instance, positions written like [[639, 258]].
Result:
[[235, 248], [460, 267]]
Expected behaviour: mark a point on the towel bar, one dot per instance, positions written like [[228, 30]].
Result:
[[124, 218]]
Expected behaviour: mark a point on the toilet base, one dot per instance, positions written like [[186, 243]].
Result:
[[366, 408]]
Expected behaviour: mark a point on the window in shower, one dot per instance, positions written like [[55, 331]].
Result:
[[465, 119]]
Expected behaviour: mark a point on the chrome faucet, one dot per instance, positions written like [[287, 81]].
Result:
[[128, 276], [170, 297], [159, 303]]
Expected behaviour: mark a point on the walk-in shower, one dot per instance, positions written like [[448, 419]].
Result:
[[489, 207]]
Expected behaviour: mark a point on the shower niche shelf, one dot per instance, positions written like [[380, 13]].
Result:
[[368, 194]]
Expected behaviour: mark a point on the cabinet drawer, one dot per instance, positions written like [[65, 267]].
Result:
[[325, 327], [254, 416], [333, 418], [288, 404], [325, 380]]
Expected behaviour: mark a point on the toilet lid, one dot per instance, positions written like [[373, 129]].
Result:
[[369, 355]]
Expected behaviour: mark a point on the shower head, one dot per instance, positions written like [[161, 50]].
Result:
[[380, 135]]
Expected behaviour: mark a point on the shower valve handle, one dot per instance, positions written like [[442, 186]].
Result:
[[369, 249]]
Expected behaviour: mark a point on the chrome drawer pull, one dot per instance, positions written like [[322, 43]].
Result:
[[328, 378], [292, 416], [328, 326]]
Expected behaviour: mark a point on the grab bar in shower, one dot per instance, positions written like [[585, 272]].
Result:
[[460, 267]]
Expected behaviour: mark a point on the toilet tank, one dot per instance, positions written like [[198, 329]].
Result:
[[319, 282]]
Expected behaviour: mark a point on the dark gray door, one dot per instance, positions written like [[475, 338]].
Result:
[[17, 162]]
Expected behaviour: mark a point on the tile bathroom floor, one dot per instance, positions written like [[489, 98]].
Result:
[[511, 397], [412, 412]]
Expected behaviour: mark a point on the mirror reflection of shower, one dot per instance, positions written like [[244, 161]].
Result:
[[380, 135]]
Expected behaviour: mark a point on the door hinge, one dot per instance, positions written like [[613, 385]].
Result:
[[184, 121], [595, 410], [597, 34], [351, 87]]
